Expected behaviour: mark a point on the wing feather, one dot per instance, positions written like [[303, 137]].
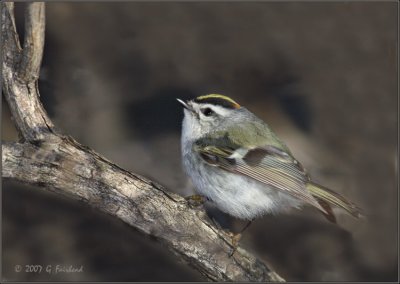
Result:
[[267, 165]]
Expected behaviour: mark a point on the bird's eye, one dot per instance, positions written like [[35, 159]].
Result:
[[207, 111]]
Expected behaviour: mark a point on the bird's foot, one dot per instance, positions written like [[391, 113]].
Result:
[[195, 200], [235, 238]]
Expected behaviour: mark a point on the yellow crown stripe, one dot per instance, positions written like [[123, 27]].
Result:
[[218, 96]]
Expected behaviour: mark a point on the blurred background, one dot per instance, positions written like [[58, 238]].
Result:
[[323, 75]]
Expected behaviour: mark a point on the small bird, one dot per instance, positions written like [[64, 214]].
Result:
[[237, 162]]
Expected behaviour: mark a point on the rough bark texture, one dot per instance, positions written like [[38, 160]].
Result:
[[21, 70], [58, 163]]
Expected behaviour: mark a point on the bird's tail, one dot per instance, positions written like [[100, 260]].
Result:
[[327, 197]]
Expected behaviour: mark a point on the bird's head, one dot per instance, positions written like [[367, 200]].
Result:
[[208, 113]]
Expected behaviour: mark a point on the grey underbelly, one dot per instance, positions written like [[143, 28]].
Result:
[[236, 194]]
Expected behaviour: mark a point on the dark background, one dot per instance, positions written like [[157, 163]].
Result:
[[323, 75]]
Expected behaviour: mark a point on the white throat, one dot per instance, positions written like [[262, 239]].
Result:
[[191, 130]]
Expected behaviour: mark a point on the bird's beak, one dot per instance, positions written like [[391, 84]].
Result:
[[185, 105]]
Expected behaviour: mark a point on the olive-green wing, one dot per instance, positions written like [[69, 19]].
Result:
[[268, 165]]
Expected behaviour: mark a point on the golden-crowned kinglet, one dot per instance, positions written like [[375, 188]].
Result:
[[235, 160]]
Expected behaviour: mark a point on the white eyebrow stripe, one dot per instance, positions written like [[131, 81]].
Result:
[[217, 109]]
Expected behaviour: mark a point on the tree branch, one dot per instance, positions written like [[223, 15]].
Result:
[[58, 163], [34, 41], [20, 87]]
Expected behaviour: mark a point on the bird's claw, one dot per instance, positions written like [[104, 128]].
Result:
[[235, 238], [195, 200]]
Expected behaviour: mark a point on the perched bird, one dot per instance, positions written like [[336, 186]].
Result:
[[237, 162]]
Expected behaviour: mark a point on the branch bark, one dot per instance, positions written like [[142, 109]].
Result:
[[58, 163], [20, 87]]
